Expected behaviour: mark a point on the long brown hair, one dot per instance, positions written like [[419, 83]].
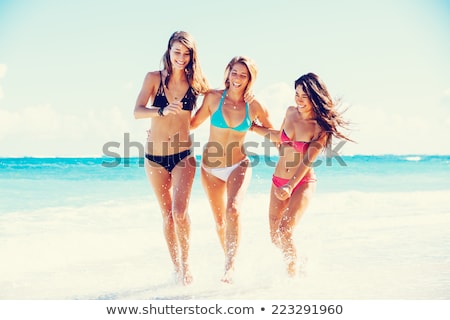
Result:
[[194, 73], [324, 107]]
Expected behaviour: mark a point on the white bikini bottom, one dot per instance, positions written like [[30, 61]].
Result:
[[224, 172]]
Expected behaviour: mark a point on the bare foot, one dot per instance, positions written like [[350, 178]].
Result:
[[291, 269], [187, 278], [228, 277]]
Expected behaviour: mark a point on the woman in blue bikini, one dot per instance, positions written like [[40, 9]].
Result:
[[305, 132], [226, 169], [168, 97]]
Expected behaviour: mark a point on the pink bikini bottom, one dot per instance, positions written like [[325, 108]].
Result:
[[278, 182]]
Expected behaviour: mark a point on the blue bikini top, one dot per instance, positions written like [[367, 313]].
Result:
[[217, 119]]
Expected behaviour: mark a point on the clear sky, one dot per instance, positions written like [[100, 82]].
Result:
[[70, 71]]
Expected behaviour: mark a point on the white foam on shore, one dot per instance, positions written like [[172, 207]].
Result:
[[357, 246]]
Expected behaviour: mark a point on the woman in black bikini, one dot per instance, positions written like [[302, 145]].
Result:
[[306, 130], [167, 97]]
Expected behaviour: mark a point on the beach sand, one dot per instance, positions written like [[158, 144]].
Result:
[[354, 245]]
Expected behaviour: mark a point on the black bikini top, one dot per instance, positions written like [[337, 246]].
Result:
[[188, 101]]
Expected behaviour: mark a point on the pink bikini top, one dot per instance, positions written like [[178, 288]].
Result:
[[300, 146]]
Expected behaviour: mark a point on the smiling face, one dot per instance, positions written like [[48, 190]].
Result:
[[239, 76], [180, 56], [303, 102]]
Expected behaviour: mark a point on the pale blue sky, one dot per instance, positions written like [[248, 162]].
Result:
[[70, 71]]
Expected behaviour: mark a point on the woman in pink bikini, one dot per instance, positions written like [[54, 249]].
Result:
[[226, 169], [306, 131]]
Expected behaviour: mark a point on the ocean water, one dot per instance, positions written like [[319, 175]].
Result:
[[90, 228]]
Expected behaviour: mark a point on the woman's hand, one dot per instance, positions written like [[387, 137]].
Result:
[[249, 97], [173, 108], [283, 192]]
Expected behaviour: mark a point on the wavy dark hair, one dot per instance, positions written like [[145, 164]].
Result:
[[325, 108]]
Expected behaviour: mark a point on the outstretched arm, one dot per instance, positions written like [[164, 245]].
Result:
[[202, 113], [266, 127], [272, 134], [262, 115]]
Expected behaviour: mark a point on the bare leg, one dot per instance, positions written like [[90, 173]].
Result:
[[182, 179], [161, 182], [298, 203], [276, 209], [236, 188], [215, 190]]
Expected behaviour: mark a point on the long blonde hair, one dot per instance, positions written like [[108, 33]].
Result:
[[249, 64]]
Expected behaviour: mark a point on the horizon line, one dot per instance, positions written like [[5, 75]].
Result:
[[251, 155]]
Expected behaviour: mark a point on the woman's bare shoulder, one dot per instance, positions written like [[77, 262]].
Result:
[[153, 76], [213, 95], [151, 82], [290, 111], [214, 92]]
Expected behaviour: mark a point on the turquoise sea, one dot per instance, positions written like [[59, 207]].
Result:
[[32, 183], [90, 228]]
